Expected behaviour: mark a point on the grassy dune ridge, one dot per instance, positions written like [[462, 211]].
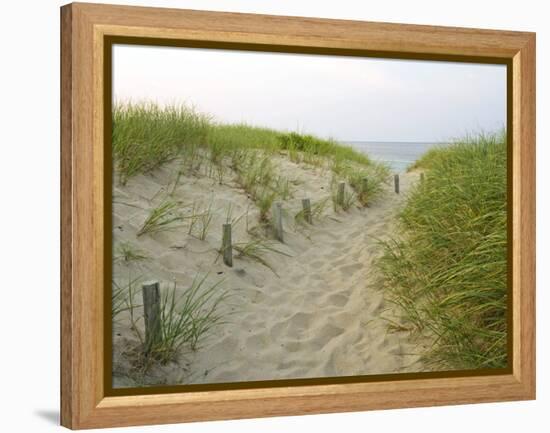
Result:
[[146, 135], [447, 266]]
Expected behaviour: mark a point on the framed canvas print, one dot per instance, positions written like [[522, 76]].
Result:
[[267, 215]]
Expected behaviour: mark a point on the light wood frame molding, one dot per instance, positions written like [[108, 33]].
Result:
[[83, 29]]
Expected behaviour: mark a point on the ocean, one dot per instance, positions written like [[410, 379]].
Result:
[[398, 155]]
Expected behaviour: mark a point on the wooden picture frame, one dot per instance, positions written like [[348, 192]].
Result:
[[85, 28]]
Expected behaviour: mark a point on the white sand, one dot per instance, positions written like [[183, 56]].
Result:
[[320, 316]]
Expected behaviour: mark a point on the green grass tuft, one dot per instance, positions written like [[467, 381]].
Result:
[[146, 135], [163, 217], [317, 212], [256, 249], [127, 253], [185, 319], [447, 267]]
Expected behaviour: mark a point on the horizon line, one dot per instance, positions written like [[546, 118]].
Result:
[[397, 141]]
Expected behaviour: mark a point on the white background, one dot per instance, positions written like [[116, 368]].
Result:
[[29, 216]]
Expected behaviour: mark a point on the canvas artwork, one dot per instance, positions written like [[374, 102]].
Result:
[[292, 216]]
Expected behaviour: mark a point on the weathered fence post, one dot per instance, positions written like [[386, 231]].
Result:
[[396, 183], [363, 196], [340, 194], [227, 246], [364, 184], [306, 204], [422, 177], [151, 312], [277, 215]]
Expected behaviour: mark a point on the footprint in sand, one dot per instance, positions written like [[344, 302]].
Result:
[[298, 324], [338, 299], [349, 270], [348, 361], [293, 346], [323, 335], [338, 263], [278, 330], [376, 305], [311, 297], [258, 342], [338, 245]]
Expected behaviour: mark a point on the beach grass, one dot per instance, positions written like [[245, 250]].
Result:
[[256, 249], [447, 266], [185, 318], [311, 145], [146, 135], [189, 316], [200, 219], [367, 184], [119, 301], [126, 252], [345, 202], [317, 211], [163, 217]]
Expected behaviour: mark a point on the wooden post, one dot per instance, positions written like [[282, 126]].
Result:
[[396, 183], [306, 204], [364, 184], [363, 196], [151, 310], [422, 177], [340, 194], [227, 245], [277, 216]]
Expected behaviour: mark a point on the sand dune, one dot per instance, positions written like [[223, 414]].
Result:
[[318, 313]]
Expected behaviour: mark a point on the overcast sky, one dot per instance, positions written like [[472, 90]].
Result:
[[346, 98]]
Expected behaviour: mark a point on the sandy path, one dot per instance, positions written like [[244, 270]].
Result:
[[319, 316]]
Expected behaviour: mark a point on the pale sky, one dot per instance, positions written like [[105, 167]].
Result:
[[346, 98]]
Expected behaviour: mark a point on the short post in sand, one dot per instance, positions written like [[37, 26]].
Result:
[[364, 189], [396, 183], [306, 205], [340, 194], [277, 217], [364, 184], [151, 310], [227, 247], [422, 177]]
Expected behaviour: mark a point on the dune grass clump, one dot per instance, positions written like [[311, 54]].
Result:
[[200, 219], [341, 202], [120, 296], [185, 318], [127, 253], [231, 137], [163, 217], [311, 145], [256, 174], [317, 212], [146, 135], [365, 180], [256, 249], [447, 267], [264, 199], [367, 184], [283, 188], [188, 317]]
